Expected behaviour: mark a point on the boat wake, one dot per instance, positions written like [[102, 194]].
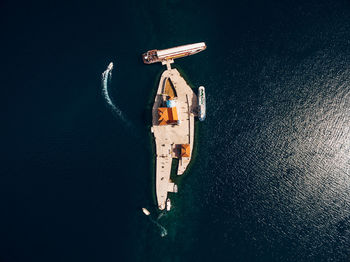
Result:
[[163, 231], [162, 214], [106, 80]]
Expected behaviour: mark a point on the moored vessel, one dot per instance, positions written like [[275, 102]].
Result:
[[168, 204], [154, 56], [201, 103]]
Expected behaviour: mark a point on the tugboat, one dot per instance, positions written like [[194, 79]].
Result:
[[201, 103]]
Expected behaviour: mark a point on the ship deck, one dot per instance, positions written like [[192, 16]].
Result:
[[168, 138]]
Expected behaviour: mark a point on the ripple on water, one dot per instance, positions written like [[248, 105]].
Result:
[[280, 160]]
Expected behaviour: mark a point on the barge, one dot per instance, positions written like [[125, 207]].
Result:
[[154, 56]]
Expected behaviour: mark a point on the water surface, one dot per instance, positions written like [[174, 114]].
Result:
[[271, 175]]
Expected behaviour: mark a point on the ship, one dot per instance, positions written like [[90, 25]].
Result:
[[145, 211], [110, 66], [168, 204], [154, 56], [201, 103]]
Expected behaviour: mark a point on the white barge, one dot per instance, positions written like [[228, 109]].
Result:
[[154, 56]]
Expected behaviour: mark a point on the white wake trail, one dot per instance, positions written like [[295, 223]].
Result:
[[163, 231], [106, 79]]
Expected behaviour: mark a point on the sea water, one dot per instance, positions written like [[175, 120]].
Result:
[[269, 179]]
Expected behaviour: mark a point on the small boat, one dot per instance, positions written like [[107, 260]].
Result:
[[168, 204], [201, 103], [145, 211], [175, 188], [110, 66]]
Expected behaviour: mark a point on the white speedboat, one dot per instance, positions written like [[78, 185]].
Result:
[[110, 66]]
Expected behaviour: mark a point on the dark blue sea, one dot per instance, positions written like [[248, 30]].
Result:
[[270, 175]]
